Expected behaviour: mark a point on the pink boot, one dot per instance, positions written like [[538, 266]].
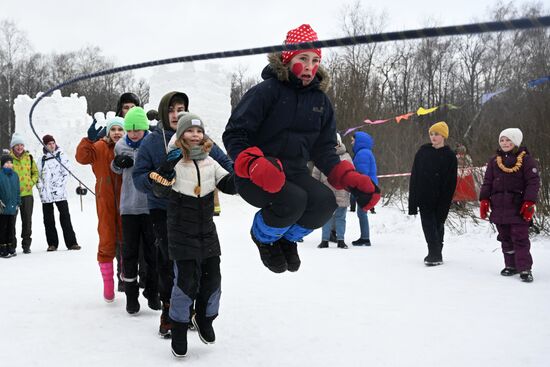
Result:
[[108, 282]]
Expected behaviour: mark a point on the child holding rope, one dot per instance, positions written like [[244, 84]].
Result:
[[510, 189], [277, 127]]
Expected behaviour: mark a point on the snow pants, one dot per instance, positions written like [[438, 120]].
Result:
[[434, 231], [303, 200], [25, 211], [165, 266], [65, 220], [196, 281], [515, 245], [138, 232]]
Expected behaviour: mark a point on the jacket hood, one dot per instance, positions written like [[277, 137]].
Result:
[[164, 107], [276, 69], [362, 141], [340, 149], [429, 146]]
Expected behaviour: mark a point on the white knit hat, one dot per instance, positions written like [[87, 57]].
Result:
[[514, 134], [16, 139]]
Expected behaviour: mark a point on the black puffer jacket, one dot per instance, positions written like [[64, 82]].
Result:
[[433, 180], [285, 120]]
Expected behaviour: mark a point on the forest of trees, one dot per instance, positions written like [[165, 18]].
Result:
[[23, 71]]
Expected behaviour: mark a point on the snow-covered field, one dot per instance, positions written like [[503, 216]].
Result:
[[377, 306]]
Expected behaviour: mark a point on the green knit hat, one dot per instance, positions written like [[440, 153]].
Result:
[[136, 119]]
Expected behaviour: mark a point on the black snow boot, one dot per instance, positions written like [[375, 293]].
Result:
[[526, 276], [153, 300], [433, 260], [332, 237], [272, 255], [361, 242], [4, 250], [342, 244], [323, 244], [132, 294], [179, 339], [290, 250], [165, 321], [204, 328], [508, 271]]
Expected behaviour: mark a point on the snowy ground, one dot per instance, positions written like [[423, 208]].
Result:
[[377, 306]]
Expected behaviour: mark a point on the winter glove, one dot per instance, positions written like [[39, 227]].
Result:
[[81, 191], [164, 177], [527, 210], [265, 172], [95, 134], [344, 176], [123, 161], [484, 206]]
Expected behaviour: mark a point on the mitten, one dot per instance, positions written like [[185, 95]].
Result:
[[344, 176], [93, 133], [484, 208], [265, 172], [163, 177], [527, 210], [123, 161]]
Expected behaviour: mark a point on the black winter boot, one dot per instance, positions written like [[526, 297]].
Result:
[[153, 300], [179, 339], [132, 294], [526, 276], [290, 250], [204, 328], [323, 244], [3, 250], [165, 321], [508, 271], [361, 242], [342, 244], [272, 255]]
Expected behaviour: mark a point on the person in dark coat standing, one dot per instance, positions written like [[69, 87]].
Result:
[[510, 189], [278, 126], [431, 188]]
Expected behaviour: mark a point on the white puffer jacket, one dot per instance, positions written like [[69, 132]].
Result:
[[52, 177]]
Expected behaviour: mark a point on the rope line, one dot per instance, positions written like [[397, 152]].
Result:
[[432, 32]]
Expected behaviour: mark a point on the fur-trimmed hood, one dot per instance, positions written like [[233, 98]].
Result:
[[277, 69]]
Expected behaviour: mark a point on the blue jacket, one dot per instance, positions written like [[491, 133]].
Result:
[[363, 160], [9, 191], [285, 120], [152, 153]]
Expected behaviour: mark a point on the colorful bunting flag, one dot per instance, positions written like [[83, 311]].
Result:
[[423, 111], [403, 117]]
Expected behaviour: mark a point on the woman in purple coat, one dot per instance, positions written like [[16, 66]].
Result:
[[510, 190]]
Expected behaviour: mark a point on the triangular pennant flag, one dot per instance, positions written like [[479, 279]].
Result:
[[403, 117], [423, 111], [375, 122]]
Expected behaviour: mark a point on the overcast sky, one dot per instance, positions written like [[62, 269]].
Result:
[[139, 30]]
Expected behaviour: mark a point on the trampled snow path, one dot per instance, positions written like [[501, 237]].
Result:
[[377, 306]]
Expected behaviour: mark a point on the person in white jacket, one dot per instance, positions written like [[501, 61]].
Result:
[[52, 187]]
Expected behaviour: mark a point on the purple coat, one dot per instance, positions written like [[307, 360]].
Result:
[[508, 191]]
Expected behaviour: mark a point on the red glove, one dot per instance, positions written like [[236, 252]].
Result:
[[527, 210], [344, 176], [265, 172], [484, 208]]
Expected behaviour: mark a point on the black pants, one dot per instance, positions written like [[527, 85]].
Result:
[[137, 231], [302, 200], [25, 210], [165, 266], [7, 229], [434, 230], [65, 220], [199, 282]]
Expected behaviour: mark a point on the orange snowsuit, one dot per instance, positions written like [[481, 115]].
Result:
[[107, 191]]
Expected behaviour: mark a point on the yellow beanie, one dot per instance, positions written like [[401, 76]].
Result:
[[441, 128]]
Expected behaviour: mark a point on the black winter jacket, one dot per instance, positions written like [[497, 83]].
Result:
[[433, 180], [285, 120]]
